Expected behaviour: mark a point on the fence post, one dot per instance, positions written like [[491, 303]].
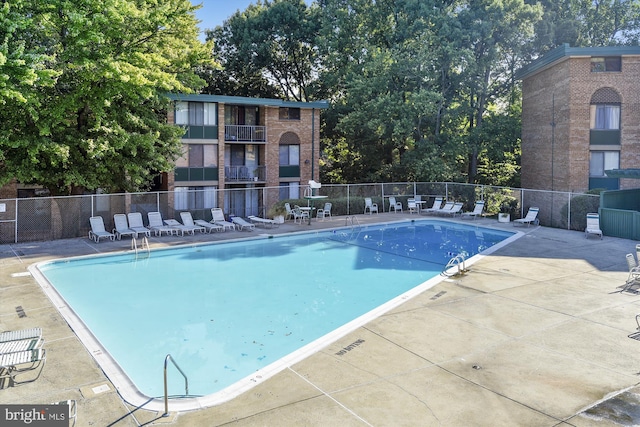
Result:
[[569, 212]]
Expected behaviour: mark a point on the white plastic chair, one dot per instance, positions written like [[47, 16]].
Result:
[[396, 206], [370, 206], [325, 211]]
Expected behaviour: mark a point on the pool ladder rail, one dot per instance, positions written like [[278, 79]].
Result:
[[352, 220], [166, 393], [456, 261], [144, 245]]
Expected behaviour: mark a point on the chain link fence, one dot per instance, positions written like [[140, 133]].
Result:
[[51, 218]]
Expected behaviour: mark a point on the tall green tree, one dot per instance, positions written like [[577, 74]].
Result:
[[267, 50], [102, 123]]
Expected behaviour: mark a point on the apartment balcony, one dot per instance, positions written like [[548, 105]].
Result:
[[245, 173], [245, 133]]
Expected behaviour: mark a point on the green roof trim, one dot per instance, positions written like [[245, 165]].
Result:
[[565, 51], [243, 100], [623, 173]]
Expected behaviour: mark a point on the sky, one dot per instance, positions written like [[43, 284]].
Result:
[[214, 12]]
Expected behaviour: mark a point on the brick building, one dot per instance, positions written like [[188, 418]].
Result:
[[580, 117], [243, 143]]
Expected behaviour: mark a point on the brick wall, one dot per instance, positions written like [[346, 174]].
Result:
[[572, 84]]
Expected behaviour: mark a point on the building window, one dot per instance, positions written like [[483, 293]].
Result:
[[240, 115], [289, 155], [289, 190], [605, 117], [192, 198], [198, 156], [196, 113], [601, 64], [287, 113], [601, 161]]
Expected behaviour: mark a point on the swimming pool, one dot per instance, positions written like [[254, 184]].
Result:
[[234, 314]]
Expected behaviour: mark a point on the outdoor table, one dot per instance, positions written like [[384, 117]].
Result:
[[310, 208]]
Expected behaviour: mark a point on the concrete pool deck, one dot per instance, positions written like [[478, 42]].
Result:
[[534, 334]]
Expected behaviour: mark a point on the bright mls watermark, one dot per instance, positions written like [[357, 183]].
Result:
[[35, 415]]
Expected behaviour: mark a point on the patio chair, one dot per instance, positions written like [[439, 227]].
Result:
[[634, 275], [370, 206], [136, 224], [122, 227], [455, 209], [21, 334], [187, 221], [219, 219], [208, 226], [396, 206], [530, 218], [593, 225], [289, 214], [263, 221], [437, 204], [158, 226], [20, 340], [444, 208], [242, 224], [299, 214], [477, 210], [325, 211], [98, 231], [413, 206], [13, 364]]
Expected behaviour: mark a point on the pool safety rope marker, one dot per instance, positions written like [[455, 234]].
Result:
[[458, 261]]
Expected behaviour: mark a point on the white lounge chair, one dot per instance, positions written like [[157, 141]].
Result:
[[477, 210], [98, 231], [218, 218], [20, 340], [179, 227], [437, 204], [136, 224], [265, 222], [21, 334], [122, 227], [20, 345], [455, 209], [325, 211], [593, 225], [208, 226], [396, 206], [242, 224], [444, 208], [158, 226], [370, 206], [188, 222], [12, 364], [530, 218]]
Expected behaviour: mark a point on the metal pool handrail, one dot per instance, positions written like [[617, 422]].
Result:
[[166, 395]]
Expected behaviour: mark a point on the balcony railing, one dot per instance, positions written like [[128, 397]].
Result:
[[245, 133], [245, 173]]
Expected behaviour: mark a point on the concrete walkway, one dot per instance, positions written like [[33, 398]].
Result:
[[533, 335]]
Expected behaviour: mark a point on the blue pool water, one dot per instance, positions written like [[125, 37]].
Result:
[[225, 311]]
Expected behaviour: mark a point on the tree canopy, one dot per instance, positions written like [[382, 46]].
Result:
[[419, 89], [84, 106]]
